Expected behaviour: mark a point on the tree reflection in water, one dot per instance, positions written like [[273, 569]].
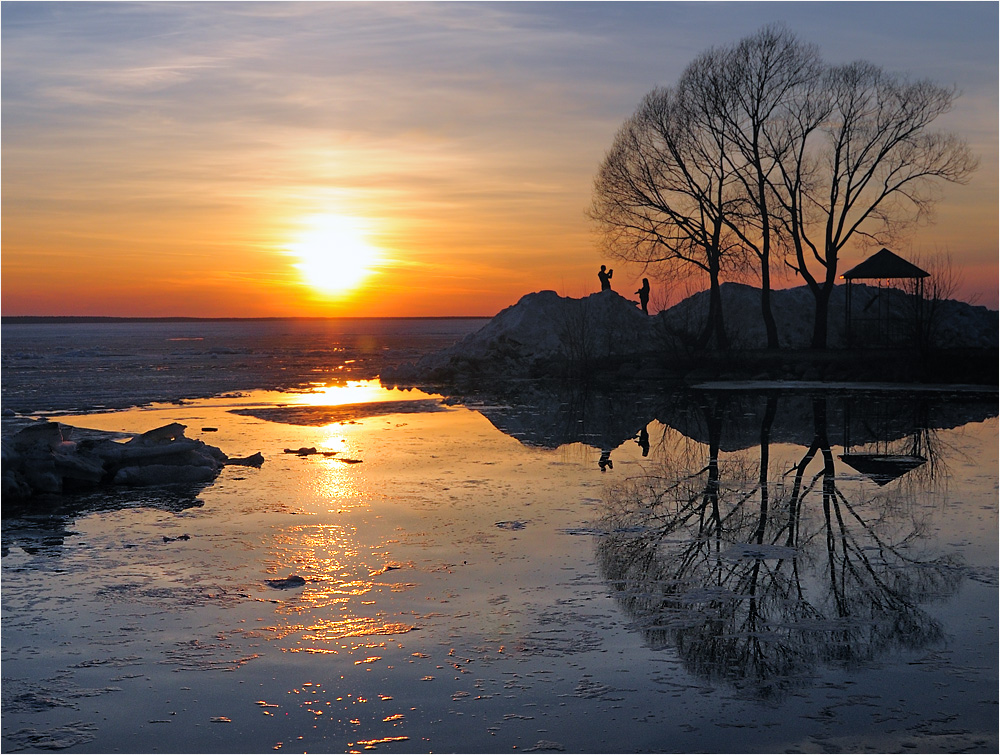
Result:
[[758, 573]]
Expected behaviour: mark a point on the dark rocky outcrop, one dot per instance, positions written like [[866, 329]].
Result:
[[948, 323]]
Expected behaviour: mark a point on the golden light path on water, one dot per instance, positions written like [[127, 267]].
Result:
[[329, 557], [352, 392], [337, 612], [328, 554]]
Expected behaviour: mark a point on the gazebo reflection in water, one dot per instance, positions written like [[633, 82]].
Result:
[[885, 439]]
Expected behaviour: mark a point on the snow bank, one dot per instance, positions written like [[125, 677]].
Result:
[[541, 329], [545, 332], [954, 324]]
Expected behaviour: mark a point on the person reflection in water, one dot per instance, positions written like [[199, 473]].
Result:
[[642, 440], [605, 462], [605, 276], [644, 296]]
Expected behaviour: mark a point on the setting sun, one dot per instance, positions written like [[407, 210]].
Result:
[[335, 254]]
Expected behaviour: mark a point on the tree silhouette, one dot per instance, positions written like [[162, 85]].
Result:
[[760, 148], [661, 196], [749, 92], [868, 169]]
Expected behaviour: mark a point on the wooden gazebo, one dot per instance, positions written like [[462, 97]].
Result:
[[893, 317]]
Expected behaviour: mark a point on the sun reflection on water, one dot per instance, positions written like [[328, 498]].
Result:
[[316, 699], [352, 392], [369, 744], [338, 579], [336, 479], [343, 621]]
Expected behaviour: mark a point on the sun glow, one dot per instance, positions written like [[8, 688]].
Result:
[[354, 392], [335, 253]]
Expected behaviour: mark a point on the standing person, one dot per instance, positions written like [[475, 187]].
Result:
[[644, 296], [605, 276], [643, 441], [605, 462]]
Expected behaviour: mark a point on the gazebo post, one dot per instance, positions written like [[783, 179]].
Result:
[[920, 312], [848, 332]]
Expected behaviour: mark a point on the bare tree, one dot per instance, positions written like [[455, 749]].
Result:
[[662, 194], [927, 299], [872, 172], [769, 81]]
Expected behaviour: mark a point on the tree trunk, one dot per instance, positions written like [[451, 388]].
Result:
[[710, 495], [821, 321], [715, 308], [765, 460], [714, 326], [770, 326]]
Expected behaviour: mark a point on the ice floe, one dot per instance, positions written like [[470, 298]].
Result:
[[44, 458]]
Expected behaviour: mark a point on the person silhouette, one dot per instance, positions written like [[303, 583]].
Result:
[[642, 440], [605, 276], [605, 462], [644, 296]]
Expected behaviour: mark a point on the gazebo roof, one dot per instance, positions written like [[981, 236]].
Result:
[[882, 469], [885, 264]]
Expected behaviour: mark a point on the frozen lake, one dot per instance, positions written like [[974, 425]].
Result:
[[706, 571]]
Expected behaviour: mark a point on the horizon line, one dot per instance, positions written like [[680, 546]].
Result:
[[72, 319]]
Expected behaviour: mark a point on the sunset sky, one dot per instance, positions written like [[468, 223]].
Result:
[[386, 159]]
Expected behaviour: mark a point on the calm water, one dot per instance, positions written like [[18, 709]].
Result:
[[709, 570]]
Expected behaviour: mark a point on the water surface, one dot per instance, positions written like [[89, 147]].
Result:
[[468, 590]]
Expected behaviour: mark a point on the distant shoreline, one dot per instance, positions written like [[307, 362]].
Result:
[[93, 319]]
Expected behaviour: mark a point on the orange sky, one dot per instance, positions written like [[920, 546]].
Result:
[[168, 159]]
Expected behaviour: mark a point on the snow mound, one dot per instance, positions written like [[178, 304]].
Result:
[[964, 325], [953, 324], [545, 334], [541, 329]]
